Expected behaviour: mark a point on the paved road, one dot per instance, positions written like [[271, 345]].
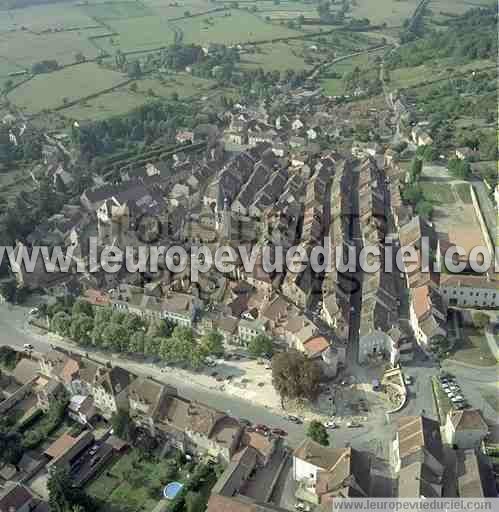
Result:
[[14, 332]]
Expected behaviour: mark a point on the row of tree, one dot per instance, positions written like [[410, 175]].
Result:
[[128, 333]]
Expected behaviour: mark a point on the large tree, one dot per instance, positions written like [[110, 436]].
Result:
[[213, 343], [295, 376], [260, 345], [318, 433]]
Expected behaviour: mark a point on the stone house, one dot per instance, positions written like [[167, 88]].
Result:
[[465, 429]]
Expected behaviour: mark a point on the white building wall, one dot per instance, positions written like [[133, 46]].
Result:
[[303, 470], [470, 296]]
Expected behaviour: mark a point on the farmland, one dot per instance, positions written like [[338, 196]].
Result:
[[64, 32], [229, 28], [135, 34], [123, 100], [48, 90], [276, 56]]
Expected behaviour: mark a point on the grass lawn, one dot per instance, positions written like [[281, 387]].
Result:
[[473, 349], [238, 27], [276, 56], [25, 48], [492, 399], [42, 17], [47, 91], [392, 12], [410, 77], [144, 33], [463, 191], [333, 86], [123, 100], [117, 10], [437, 193], [8, 66], [132, 483]]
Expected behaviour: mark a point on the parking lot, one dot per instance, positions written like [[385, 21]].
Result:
[[454, 393]]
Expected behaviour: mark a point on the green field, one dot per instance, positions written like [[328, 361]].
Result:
[[123, 100], [276, 56], [239, 27], [42, 17], [441, 69], [391, 12], [47, 91], [333, 86], [473, 349], [24, 48], [144, 33], [439, 7], [117, 10]]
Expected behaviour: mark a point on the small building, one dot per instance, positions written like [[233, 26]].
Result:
[[465, 429], [16, 498], [324, 473]]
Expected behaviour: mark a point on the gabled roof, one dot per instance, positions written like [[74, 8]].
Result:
[[468, 419], [15, 498], [419, 439], [114, 380]]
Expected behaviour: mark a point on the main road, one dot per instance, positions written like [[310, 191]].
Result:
[[15, 331]]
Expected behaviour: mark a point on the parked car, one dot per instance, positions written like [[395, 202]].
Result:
[[352, 424], [301, 507], [408, 380], [294, 419], [279, 432], [331, 425], [262, 428], [28, 346], [33, 311]]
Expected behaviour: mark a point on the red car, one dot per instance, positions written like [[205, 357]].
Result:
[[279, 432]]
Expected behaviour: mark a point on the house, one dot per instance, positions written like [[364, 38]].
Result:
[[197, 429], [249, 329], [418, 457], [323, 473], [16, 498], [237, 473], [297, 125], [64, 450], [81, 409], [265, 446], [239, 503], [109, 390], [47, 390], [476, 291], [418, 237], [475, 478], [184, 136], [465, 153], [228, 328], [298, 329], [319, 349], [312, 133], [420, 137], [428, 315], [465, 429], [146, 399]]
